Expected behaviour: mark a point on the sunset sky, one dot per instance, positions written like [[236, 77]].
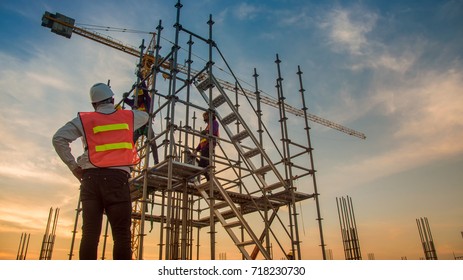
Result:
[[392, 70]]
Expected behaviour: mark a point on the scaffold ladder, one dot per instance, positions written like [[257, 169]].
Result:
[[246, 152], [226, 206]]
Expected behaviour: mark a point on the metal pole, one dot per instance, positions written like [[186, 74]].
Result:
[[53, 235], [171, 97], [45, 236], [145, 171], [74, 231], [188, 89], [211, 168], [18, 255], [27, 246], [341, 226], [161, 225], [356, 241], [295, 242], [316, 194]]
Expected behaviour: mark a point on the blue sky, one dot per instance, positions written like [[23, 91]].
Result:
[[390, 69]]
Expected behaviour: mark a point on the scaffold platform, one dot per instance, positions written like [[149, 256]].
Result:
[[186, 174]]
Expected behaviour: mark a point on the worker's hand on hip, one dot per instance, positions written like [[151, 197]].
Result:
[[78, 173]]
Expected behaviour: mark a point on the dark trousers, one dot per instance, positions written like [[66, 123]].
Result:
[[204, 160], [105, 191]]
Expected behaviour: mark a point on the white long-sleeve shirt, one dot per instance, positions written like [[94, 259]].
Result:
[[74, 130]]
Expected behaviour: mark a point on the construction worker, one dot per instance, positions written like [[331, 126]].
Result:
[[203, 146], [143, 104], [103, 169]]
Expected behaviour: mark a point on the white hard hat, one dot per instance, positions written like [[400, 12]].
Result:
[[100, 92]]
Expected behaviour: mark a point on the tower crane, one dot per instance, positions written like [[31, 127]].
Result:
[[65, 26]]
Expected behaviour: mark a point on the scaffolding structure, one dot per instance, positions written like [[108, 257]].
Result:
[[255, 180], [251, 196], [248, 185]]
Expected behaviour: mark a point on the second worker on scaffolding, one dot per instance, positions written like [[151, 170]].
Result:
[[203, 146]]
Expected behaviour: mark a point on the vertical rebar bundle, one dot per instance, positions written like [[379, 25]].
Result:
[[348, 226], [49, 236], [23, 245], [426, 239]]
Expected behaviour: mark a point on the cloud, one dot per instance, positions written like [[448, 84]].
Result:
[[424, 124], [408, 100], [438, 117], [396, 63], [245, 11], [348, 29]]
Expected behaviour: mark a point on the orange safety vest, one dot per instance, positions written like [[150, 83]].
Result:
[[109, 138]]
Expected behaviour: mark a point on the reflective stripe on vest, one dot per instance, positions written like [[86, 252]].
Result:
[[109, 127], [109, 138], [113, 146]]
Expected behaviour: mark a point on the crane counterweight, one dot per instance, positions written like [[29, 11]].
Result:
[[59, 24]]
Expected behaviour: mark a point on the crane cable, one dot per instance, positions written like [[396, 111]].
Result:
[[109, 28]]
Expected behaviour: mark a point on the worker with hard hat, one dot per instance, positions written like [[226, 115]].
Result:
[[103, 169], [203, 146], [143, 104]]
